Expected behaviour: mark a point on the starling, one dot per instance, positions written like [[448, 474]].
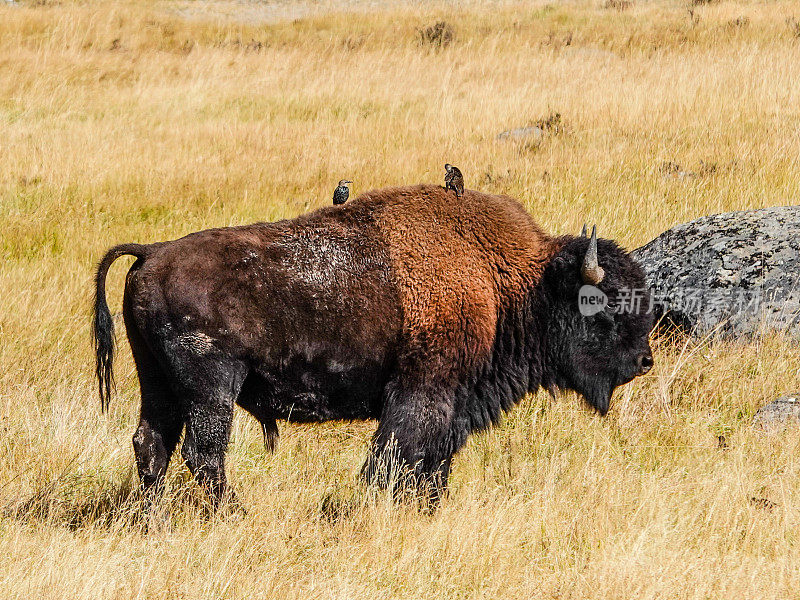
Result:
[[454, 180], [341, 193]]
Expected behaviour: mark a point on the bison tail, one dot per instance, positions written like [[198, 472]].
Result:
[[103, 325]]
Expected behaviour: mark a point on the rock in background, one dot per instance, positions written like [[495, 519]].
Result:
[[531, 135], [779, 413], [734, 273]]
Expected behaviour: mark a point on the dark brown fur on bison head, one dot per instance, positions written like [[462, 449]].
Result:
[[593, 354]]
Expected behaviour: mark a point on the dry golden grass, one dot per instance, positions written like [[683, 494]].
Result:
[[145, 121]]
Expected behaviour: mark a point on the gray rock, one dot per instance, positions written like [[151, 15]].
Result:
[[528, 135], [779, 413], [734, 274]]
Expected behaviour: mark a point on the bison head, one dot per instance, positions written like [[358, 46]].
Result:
[[598, 319]]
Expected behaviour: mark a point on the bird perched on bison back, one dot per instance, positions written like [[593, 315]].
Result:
[[341, 193], [431, 315], [453, 180]]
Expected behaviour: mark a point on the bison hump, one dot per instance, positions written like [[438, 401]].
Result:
[[459, 263]]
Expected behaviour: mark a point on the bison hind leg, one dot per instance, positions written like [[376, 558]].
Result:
[[208, 390], [161, 418]]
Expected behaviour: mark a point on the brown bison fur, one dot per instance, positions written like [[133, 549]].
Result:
[[428, 312]]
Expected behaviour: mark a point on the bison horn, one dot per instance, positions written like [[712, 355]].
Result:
[[591, 272], [583, 231]]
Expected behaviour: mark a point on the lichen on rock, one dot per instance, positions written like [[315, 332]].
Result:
[[735, 274]]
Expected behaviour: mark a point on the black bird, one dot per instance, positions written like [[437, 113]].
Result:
[[454, 180], [341, 193]]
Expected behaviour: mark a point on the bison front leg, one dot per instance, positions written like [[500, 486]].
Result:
[[415, 442]]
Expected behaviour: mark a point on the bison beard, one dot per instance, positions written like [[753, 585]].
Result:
[[431, 314]]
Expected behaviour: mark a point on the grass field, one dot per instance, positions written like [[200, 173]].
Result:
[[144, 121]]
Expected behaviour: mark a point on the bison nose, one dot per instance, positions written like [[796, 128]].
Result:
[[645, 362]]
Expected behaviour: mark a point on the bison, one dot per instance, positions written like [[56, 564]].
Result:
[[431, 313]]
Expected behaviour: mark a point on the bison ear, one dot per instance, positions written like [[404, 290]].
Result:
[[564, 268], [591, 272]]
